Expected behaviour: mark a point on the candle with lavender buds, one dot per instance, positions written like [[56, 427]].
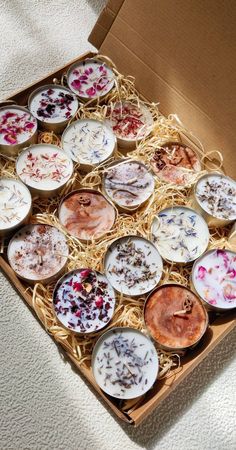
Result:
[[128, 184], [180, 234], [215, 199], [18, 129], [125, 363], [175, 317], [86, 214], [130, 122], [45, 169], [214, 279], [175, 163], [53, 106], [15, 205], [90, 79], [38, 253], [133, 265], [88, 142], [84, 301]]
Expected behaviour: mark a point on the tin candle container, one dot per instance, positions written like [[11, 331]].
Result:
[[215, 199], [15, 205], [90, 79], [130, 123], [86, 214], [38, 253], [18, 129], [88, 142], [175, 317], [84, 301], [125, 363], [176, 163], [232, 236], [180, 234], [53, 106], [214, 279], [128, 183], [133, 265], [45, 169]]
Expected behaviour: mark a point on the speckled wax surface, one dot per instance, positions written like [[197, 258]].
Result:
[[199, 414]]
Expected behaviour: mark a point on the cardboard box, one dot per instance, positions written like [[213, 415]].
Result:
[[181, 54]]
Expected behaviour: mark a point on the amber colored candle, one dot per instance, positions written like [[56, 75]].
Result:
[[175, 317]]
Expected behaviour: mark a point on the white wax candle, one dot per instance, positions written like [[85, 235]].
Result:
[[53, 104], [180, 234], [125, 363], [130, 122], [214, 278], [128, 183], [90, 79], [17, 125], [15, 204], [216, 194], [84, 301], [38, 252], [89, 142], [44, 168], [133, 265]]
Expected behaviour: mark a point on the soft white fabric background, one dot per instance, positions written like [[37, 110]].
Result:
[[44, 403]]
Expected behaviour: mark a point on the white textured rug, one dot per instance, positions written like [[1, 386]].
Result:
[[44, 403]]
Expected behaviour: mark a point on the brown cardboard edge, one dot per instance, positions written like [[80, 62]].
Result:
[[137, 416], [104, 22], [18, 286]]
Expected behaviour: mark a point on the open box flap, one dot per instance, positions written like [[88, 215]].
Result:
[[182, 54]]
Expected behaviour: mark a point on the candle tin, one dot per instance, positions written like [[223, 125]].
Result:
[[125, 363], [180, 234], [130, 123], [173, 325], [232, 236], [175, 162], [38, 253], [214, 198], [83, 210], [84, 301], [213, 278], [133, 265], [53, 106], [128, 183], [18, 129], [90, 79], [15, 205], [45, 169], [88, 142]]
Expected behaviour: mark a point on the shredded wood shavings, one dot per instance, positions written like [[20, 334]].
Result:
[[129, 311]]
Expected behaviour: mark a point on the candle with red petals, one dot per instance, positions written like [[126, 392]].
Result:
[[90, 79], [84, 301], [18, 129]]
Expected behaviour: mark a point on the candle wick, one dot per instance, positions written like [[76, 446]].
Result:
[[182, 311], [131, 373]]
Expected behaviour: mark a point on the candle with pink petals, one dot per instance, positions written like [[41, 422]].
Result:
[[90, 79], [214, 279]]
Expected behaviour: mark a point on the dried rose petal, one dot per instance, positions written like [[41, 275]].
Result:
[[91, 91], [99, 302], [201, 272], [85, 273], [77, 286], [10, 139], [76, 84]]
